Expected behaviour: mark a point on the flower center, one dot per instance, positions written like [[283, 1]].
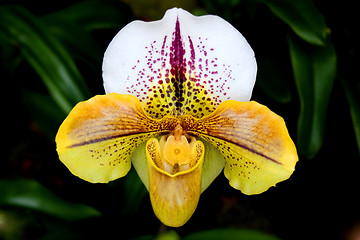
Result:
[[175, 150], [175, 175]]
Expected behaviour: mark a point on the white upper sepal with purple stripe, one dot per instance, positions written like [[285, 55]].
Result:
[[180, 63]]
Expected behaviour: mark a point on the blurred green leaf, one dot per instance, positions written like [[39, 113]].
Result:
[[30, 194], [72, 26], [273, 78], [76, 40], [168, 235], [303, 17], [14, 224], [230, 234], [314, 71], [44, 53], [95, 14], [9, 57], [43, 105], [135, 192], [352, 90]]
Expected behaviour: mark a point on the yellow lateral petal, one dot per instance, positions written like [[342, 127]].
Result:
[[97, 138], [214, 164], [254, 141], [174, 197]]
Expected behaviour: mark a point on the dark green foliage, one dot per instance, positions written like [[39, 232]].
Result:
[[307, 72]]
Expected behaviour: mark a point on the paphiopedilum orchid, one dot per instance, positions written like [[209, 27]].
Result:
[[177, 109]]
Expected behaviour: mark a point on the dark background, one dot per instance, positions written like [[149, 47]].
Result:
[[321, 199]]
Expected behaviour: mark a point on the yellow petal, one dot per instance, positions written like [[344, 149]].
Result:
[[255, 142], [174, 193], [213, 165], [97, 138]]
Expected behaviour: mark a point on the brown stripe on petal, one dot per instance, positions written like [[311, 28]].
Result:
[[254, 141], [249, 148], [246, 126], [98, 137], [111, 116], [109, 138]]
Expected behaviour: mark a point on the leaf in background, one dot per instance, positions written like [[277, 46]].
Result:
[[230, 234], [314, 71], [44, 53], [95, 14], [303, 17], [72, 26], [76, 40], [30, 194], [168, 235], [9, 57], [273, 80], [44, 112], [352, 90], [135, 192]]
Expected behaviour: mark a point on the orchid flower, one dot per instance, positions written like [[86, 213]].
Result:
[[177, 108]]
